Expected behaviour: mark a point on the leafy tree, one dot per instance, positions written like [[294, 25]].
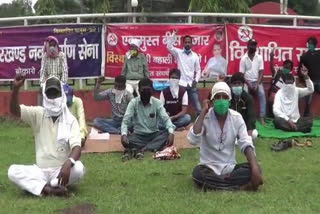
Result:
[[220, 6], [16, 8], [45, 7]]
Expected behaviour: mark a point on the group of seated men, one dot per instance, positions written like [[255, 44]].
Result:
[[146, 123]]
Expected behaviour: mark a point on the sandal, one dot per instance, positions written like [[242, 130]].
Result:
[[308, 143], [281, 145], [296, 143], [139, 156], [126, 156]]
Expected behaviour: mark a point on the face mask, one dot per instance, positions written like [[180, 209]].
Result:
[[69, 102], [145, 96], [311, 47], [174, 83], [133, 52], [51, 49], [118, 95], [285, 71], [237, 90], [187, 50], [53, 106], [221, 106]]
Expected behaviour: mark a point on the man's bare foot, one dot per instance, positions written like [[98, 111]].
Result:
[[60, 191], [262, 121]]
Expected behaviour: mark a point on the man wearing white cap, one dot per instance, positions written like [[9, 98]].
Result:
[[216, 130], [57, 142], [135, 66]]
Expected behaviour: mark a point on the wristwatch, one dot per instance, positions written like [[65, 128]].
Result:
[[73, 162]]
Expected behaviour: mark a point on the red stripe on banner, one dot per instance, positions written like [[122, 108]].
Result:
[[288, 42], [154, 45]]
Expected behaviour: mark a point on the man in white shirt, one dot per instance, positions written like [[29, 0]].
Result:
[[57, 142], [216, 130], [189, 65], [251, 64], [286, 105], [175, 101]]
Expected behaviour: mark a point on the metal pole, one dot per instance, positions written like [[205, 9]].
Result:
[[189, 19], [295, 22], [25, 22], [80, 84], [243, 20], [134, 18]]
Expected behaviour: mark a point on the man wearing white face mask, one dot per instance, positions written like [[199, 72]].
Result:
[[286, 105], [57, 142], [175, 101], [243, 103], [119, 99]]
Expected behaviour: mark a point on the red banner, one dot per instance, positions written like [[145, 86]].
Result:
[[288, 42], [154, 45]]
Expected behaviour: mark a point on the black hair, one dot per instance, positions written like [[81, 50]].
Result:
[[237, 77], [313, 40], [120, 79], [288, 61], [187, 36], [175, 71], [145, 82]]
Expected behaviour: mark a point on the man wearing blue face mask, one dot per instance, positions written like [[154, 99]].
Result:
[[189, 65], [216, 130], [311, 60], [243, 103]]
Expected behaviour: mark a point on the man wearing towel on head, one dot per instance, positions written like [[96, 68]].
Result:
[[216, 130], [135, 67], [286, 104], [57, 142]]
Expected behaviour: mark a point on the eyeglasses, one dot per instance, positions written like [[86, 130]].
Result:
[[223, 137]]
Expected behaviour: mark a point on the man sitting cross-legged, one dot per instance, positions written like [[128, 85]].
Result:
[[216, 130], [57, 142], [175, 101], [146, 111], [286, 105], [119, 99]]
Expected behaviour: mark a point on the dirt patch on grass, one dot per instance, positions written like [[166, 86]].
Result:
[[84, 208]]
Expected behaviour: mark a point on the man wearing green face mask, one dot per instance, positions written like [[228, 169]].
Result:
[[135, 67], [243, 103], [216, 130], [277, 79], [75, 106], [311, 60]]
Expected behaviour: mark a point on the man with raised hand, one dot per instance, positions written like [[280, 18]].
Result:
[[189, 65], [57, 142], [216, 130]]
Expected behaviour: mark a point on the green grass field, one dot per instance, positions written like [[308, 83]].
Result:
[[291, 182]]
